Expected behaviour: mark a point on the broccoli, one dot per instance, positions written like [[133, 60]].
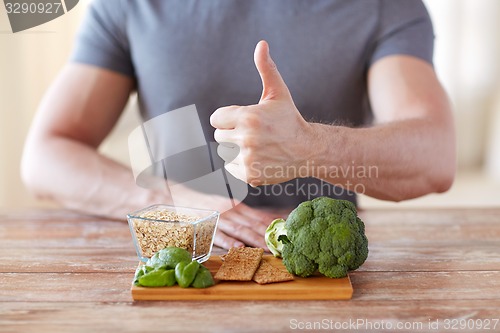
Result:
[[324, 234]]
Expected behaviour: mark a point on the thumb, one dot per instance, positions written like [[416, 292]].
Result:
[[273, 86]]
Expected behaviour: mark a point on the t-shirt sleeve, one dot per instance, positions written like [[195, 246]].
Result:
[[102, 38], [404, 28]]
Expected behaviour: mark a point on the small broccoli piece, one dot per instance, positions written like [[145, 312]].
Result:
[[362, 246], [323, 234], [299, 217], [337, 257], [296, 262], [307, 239], [330, 266]]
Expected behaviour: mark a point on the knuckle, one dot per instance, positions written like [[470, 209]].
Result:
[[237, 228], [249, 142], [227, 243], [251, 119]]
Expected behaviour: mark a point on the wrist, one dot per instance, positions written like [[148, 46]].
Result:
[[310, 147], [325, 146], [151, 191]]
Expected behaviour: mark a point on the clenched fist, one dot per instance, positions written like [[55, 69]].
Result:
[[265, 143]]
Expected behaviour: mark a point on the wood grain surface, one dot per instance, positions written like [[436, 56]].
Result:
[[65, 272]]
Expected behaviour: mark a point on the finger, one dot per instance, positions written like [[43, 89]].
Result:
[[273, 85], [238, 171], [226, 242], [242, 233], [228, 154], [226, 137], [247, 220], [225, 117], [251, 211], [259, 220]]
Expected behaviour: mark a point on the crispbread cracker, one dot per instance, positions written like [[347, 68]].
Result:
[[267, 273], [240, 264]]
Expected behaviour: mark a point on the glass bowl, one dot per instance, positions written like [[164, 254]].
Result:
[[160, 226]]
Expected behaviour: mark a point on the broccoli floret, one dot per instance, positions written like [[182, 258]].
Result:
[[362, 246], [307, 239], [300, 217], [296, 262], [323, 234]]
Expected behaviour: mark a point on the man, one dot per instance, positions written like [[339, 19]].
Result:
[[343, 65]]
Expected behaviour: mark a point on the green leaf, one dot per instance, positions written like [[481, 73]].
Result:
[[283, 239], [186, 272]]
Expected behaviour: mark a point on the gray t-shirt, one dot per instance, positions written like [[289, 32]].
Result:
[[184, 52]]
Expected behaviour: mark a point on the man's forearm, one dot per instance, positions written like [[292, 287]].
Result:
[[76, 176], [394, 161]]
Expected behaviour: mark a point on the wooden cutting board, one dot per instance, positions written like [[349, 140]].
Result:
[[316, 287]]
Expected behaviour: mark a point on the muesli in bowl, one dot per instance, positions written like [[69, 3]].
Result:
[[160, 226]]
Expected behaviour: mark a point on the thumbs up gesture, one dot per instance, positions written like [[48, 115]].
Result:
[[265, 143]]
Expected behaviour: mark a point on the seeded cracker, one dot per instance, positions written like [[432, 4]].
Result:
[[240, 264], [267, 273]]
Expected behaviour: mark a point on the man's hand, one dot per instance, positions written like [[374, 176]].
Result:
[[242, 226], [239, 226], [265, 143], [411, 148]]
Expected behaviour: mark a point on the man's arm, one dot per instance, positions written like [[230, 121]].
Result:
[[412, 144], [408, 153], [61, 161]]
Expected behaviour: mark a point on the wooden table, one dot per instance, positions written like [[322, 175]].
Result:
[[62, 272]]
